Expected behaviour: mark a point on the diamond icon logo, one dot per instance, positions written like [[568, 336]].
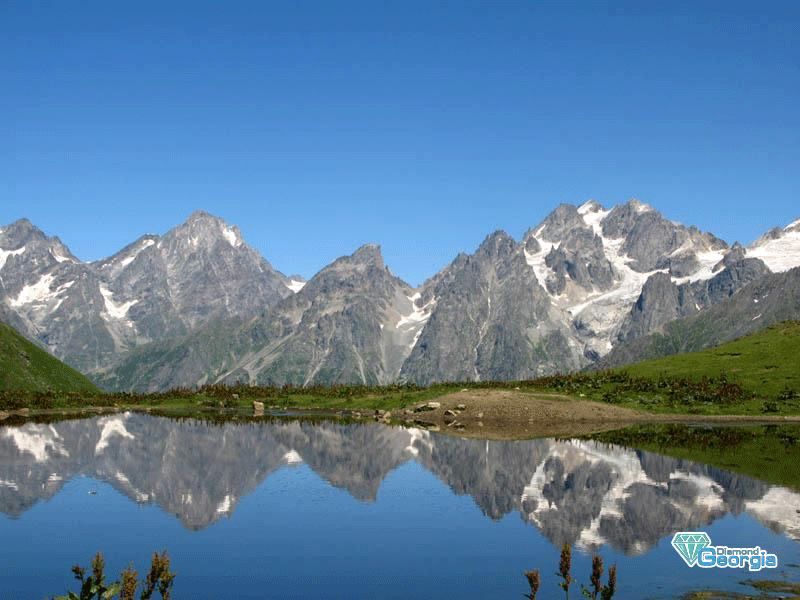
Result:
[[689, 544]]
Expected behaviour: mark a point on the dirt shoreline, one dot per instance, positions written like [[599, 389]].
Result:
[[507, 414], [482, 413], [509, 405]]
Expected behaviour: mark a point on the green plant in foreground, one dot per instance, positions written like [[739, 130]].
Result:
[[596, 590], [94, 587], [533, 583], [607, 593], [159, 577], [564, 566], [129, 581]]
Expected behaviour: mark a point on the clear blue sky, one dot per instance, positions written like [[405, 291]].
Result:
[[423, 126]]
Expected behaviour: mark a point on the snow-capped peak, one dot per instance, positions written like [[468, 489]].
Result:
[[779, 249], [590, 206], [593, 214], [640, 206]]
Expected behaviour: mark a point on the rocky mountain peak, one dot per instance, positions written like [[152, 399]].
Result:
[[639, 206], [558, 223], [203, 228], [368, 254], [200, 216], [624, 217], [362, 270], [19, 233], [590, 206], [497, 244]]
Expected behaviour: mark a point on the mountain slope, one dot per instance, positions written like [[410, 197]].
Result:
[[578, 284], [769, 300], [26, 367], [353, 322], [346, 325], [154, 289], [490, 319]]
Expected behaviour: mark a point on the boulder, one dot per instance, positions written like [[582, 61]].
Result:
[[428, 406]]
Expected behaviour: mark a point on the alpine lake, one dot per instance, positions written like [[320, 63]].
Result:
[[290, 507]]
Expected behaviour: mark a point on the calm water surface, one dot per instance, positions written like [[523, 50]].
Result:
[[330, 510]]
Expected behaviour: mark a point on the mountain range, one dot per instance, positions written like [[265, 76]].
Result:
[[588, 286]]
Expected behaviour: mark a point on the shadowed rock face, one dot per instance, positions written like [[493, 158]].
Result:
[[663, 301], [574, 492], [579, 257], [492, 320]]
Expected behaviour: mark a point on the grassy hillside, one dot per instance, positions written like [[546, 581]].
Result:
[[765, 363], [26, 367]]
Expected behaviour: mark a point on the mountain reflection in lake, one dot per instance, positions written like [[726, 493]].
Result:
[[262, 513]]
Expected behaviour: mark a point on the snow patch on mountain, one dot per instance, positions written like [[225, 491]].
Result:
[[9, 484], [231, 236], [641, 207], [536, 260], [593, 215], [226, 506], [5, 254], [114, 310], [414, 321], [37, 440], [111, 426], [296, 285], [135, 252], [40, 292], [778, 507], [708, 260], [781, 252], [292, 457], [60, 257], [630, 283]]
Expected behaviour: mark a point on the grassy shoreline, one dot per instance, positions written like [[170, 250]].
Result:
[[768, 452], [657, 395]]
